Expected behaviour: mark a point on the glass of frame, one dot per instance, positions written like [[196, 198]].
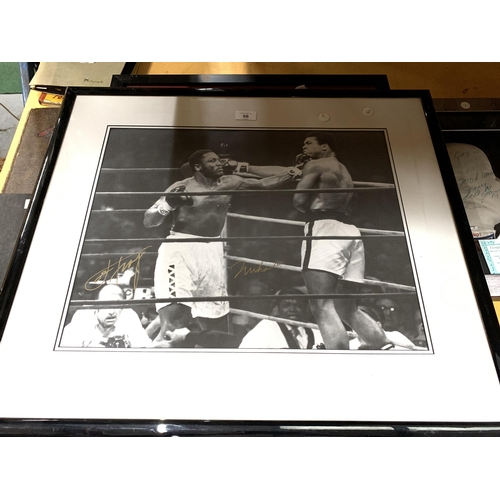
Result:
[[278, 259]]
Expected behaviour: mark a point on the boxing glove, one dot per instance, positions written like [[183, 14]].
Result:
[[170, 203]]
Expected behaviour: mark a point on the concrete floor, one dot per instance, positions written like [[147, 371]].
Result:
[[11, 107], [11, 104]]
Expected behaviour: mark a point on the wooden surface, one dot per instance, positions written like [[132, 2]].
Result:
[[31, 103], [444, 80]]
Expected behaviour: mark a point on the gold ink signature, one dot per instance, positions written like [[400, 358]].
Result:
[[112, 270], [244, 270]]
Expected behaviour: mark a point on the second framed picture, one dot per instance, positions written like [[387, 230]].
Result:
[[471, 130]]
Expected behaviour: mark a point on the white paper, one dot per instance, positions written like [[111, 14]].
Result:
[[77, 74]]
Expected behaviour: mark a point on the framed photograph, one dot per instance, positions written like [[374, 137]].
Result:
[[471, 130], [276, 260]]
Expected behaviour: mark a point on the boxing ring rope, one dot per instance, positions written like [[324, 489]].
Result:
[[235, 238], [122, 210], [232, 192], [373, 184], [240, 174], [365, 231], [121, 304], [140, 169], [286, 267], [290, 322]]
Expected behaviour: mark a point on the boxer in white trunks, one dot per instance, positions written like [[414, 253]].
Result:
[[326, 262], [197, 269]]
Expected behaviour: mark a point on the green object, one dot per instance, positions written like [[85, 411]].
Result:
[[10, 78]]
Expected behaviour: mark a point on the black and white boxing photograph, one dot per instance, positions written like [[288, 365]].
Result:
[[245, 240]]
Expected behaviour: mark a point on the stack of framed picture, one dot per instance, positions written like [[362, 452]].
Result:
[[232, 207]]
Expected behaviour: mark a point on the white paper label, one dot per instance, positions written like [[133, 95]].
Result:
[[246, 115]]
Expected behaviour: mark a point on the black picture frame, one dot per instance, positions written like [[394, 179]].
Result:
[[463, 246], [254, 82]]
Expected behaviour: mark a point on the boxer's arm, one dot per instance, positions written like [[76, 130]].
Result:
[[152, 217], [265, 171], [273, 170], [155, 215], [244, 169], [308, 181], [273, 182]]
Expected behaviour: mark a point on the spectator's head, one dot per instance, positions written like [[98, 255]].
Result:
[[390, 313], [292, 308], [108, 317], [419, 338], [253, 286], [151, 313], [419, 324]]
